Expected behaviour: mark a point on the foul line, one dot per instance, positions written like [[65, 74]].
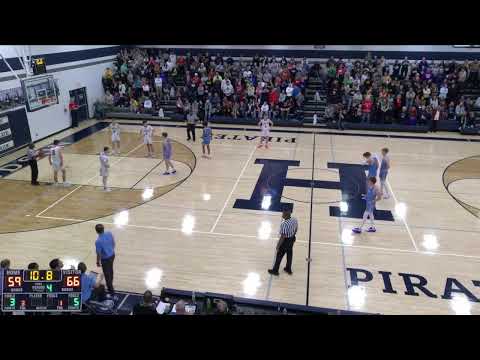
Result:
[[233, 189], [88, 181], [403, 219]]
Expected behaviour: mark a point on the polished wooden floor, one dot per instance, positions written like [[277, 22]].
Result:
[[188, 235]]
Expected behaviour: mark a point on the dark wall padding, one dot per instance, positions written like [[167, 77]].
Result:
[[64, 57], [18, 124]]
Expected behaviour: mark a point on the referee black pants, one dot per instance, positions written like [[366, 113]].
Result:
[[34, 168], [191, 130], [285, 248], [107, 267]]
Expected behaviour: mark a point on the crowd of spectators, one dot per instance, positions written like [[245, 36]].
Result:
[[209, 85], [408, 92]]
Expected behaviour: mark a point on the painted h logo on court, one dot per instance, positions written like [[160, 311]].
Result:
[[268, 191]]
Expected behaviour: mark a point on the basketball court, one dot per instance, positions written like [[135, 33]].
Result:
[[213, 225]]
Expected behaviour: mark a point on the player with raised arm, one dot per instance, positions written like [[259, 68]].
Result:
[[55, 158], [104, 167], [147, 132], [265, 125], [115, 130]]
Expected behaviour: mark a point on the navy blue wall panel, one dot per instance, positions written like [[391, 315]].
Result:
[[65, 57], [18, 125]]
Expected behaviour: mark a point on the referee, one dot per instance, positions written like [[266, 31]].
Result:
[[288, 230], [32, 156]]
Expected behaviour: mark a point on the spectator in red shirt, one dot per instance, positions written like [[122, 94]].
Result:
[[367, 105], [273, 97]]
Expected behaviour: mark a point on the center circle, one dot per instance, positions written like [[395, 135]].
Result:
[[350, 189]]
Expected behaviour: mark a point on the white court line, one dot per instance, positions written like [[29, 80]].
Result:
[[233, 189], [158, 228], [403, 219], [88, 181]]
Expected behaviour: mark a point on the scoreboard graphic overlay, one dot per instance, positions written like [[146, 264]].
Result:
[[42, 290]]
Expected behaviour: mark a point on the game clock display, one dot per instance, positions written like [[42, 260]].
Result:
[[41, 290]]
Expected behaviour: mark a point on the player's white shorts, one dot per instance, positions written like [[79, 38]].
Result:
[[57, 166], [265, 133], [147, 140], [115, 138], [103, 172]]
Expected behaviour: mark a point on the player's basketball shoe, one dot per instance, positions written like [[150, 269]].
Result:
[[371, 229], [166, 173], [67, 184], [357, 230], [174, 171], [107, 190]]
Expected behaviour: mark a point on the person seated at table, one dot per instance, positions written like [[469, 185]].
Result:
[[147, 306]]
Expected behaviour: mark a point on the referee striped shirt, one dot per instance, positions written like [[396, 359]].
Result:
[[288, 227]]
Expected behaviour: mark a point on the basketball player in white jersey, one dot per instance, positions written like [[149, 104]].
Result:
[[147, 133], [265, 125], [56, 161], [115, 130], [104, 166]]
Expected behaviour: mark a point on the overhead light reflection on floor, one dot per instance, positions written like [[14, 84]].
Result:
[[343, 206], [460, 305], [251, 284], [147, 194], [70, 263], [121, 218], [347, 237], [153, 277], [207, 197], [266, 202], [265, 230], [401, 210], [430, 242], [188, 224], [356, 296]]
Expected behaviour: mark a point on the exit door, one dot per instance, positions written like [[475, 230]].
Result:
[[80, 96]]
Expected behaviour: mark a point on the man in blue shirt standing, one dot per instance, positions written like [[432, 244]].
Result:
[[105, 247]]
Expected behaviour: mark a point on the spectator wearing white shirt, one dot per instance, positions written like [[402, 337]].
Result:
[[264, 110], [443, 92], [228, 90], [108, 98], [146, 89], [147, 104], [122, 89], [289, 90], [158, 85]]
